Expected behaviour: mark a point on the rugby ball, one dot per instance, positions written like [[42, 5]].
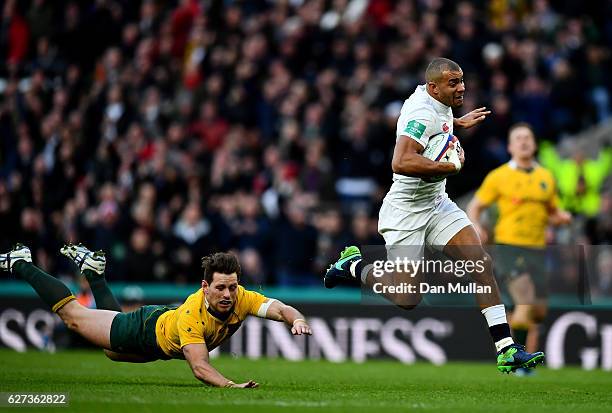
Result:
[[440, 149]]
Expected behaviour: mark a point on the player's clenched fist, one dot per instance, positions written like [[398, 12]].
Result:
[[300, 327]]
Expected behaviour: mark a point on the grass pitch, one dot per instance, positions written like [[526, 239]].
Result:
[[96, 384]]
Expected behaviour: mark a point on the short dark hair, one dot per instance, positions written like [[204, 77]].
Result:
[[221, 262], [521, 125], [439, 65]]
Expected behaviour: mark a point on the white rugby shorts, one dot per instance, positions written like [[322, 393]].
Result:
[[434, 227]]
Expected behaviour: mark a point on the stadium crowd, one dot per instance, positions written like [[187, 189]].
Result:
[[160, 131]]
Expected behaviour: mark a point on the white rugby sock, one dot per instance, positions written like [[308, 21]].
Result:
[[363, 270], [495, 314], [353, 267]]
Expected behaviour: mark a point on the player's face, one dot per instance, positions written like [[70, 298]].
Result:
[[522, 144], [221, 292], [449, 89]]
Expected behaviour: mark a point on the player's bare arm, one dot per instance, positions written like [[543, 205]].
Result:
[[197, 358], [558, 217], [472, 118], [407, 160], [474, 211], [279, 311]]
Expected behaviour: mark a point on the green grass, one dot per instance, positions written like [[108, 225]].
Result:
[[96, 384]]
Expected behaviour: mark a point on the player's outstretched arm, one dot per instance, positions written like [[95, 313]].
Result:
[[197, 357], [279, 311], [472, 118], [407, 160]]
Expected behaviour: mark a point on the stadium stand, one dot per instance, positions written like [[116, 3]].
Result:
[[162, 130]]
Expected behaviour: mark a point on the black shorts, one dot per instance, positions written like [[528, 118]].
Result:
[[134, 332]]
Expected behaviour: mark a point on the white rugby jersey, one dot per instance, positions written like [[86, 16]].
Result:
[[421, 117]]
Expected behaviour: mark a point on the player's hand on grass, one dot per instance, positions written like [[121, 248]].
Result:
[[472, 118], [300, 327], [248, 385]]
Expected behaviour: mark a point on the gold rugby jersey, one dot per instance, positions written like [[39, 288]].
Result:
[[524, 200], [193, 322]]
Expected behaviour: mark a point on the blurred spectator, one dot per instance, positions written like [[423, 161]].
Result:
[[580, 180], [139, 260], [252, 228], [603, 268], [295, 246], [15, 34], [85, 296], [332, 238], [131, 298], [566, 97], [210, 127], [253, 272], [599, 228], [192, 227], [364, 230]]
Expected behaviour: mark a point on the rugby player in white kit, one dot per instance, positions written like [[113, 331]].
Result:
[[417, 211]]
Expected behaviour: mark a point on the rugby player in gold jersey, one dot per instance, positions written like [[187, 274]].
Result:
[[526, 198], [153, 332]]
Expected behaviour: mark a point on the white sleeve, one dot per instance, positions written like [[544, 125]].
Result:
[[416, 125]]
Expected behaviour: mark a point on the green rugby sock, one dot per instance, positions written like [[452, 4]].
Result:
[[520, 335], [105, 300], [50, 289]]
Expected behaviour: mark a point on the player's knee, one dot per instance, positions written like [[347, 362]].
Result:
[[409, 302], [70, 320], [71, 314], [72, 324], [538, 314], [407, 307]]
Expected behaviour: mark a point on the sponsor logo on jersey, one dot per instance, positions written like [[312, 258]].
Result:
[[415, 129], [445, 127]]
